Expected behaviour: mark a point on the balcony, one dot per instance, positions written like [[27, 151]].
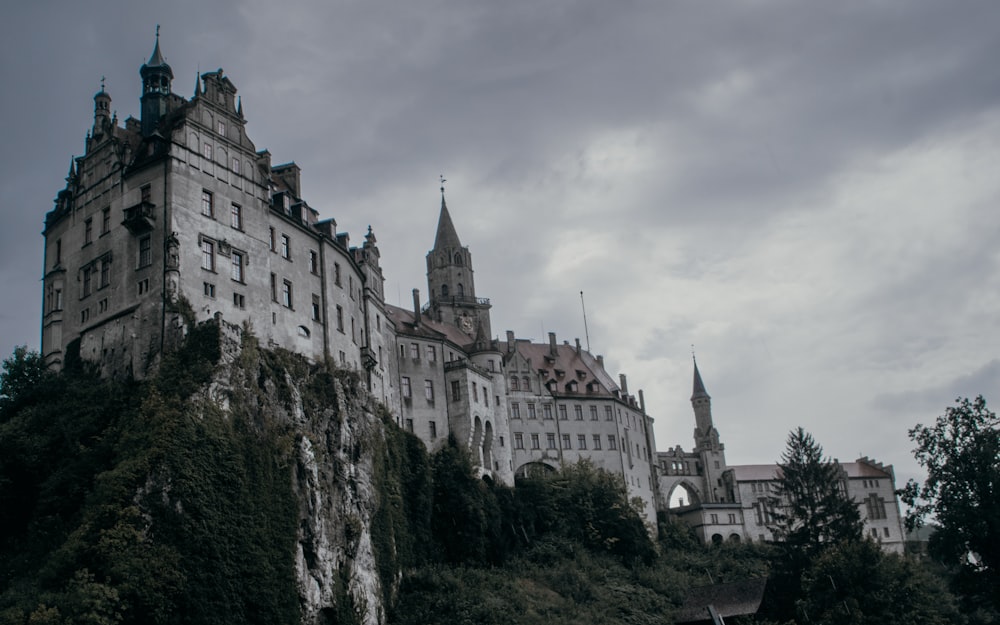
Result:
[[139, 218], [456, 299]]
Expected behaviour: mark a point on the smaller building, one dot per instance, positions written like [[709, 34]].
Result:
[[734, 503]]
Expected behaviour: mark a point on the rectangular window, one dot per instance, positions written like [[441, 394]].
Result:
[[429, 390], [456, 390], [612, 442], [715, 518], [409, 426], [143, 286], [87, 281], [336, 273], [486, 398], [433, 430], [236, 216], [239, 300], [405, 386], [222, 128], [550, 441], [526, 383], [534, 441], [237, 266], [236, 165], [578, 412], [531, 410], [340, 318], [593, 413], [145, 252], [513, 383], [414, 351], [518, 440], [316, 310], [274, 287], [209, 289], [609, 414], [106, 220], [475, 394], [270, 239], [566, 442], [105, 273], [515, 410], [313, 262], [597, 441], [431, 353], [547, 411], [732, 519], [207, 205], [58, 251], [146, 193], [286, 251], [88, 232], [286, 294], [581, 441], [562, 413], [206, 151]]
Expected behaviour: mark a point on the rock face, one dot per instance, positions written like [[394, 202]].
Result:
[[334, 430]]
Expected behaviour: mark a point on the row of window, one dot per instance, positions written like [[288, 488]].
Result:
[[208, 209], [206, 150], [515, 412], [550, 441], [237, 259], [405, 388], [88, 231], [96, 275]]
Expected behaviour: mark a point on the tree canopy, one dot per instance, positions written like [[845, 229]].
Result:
[[961, 452], [814, 509]]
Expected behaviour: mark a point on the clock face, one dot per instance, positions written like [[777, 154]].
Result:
[[465, 322]]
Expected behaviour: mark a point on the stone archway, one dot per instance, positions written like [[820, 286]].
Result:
[[683, 494], [535, 469]]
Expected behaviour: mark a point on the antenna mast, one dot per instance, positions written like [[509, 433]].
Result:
[[586, 332]]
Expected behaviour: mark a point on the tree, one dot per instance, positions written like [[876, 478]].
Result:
[[855, 582], [961, 452], [21, 376], [813, 508], [812, 513]]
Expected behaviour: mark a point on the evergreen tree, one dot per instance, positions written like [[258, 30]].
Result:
[[813, 509]]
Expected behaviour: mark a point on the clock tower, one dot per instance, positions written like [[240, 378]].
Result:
[[450, 282]]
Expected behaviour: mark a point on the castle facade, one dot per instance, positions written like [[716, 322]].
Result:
[[177, 218]]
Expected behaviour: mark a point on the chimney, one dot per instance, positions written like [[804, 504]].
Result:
[[642, 402], [416, 307], [510, 341], [578, 346], [600, 360], [624, 381], [552, 344]]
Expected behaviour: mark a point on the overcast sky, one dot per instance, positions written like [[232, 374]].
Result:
[[809, 193]]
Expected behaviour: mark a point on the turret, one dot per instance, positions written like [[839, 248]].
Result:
[[102, 112], [452, 289], [705, 434], [156, 77]]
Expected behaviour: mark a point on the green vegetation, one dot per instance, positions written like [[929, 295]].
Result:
[[961, 452], [181, 499]]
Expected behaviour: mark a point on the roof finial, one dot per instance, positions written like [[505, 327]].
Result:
[[695, 360], [102, 84], [157, 33], [442, 184]]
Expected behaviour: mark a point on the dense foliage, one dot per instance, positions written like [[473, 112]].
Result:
[[128, 502], [961, 452]]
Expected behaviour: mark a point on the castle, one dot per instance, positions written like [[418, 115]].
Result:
[[176, 217]]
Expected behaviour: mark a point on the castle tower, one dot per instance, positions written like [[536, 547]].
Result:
[[450, 282], [711, 452], [156, 77], [102, 112]]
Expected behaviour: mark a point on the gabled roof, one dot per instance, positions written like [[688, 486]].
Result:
[[428, 328], [563, 366], [765, 472]]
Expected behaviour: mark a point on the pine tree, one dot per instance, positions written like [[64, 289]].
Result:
[[813, 509]]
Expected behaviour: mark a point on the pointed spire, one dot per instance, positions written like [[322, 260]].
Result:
[[446, 236], [72, 169], [156, 60], [699, 386], [239, 106], [197, 85]]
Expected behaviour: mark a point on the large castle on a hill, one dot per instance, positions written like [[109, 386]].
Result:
[[176, 217]]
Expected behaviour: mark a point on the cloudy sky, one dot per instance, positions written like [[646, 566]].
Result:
[[806, 192]]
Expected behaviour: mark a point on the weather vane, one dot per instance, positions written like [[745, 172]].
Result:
[[442, 183], [102, 84], [692, 353]]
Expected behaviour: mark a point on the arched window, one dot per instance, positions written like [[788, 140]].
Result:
[[458, 258], [444, 290], [461, 290]]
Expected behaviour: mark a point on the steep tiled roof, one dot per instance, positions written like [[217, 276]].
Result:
[[564, 366], [428, 327], [447, 236]]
